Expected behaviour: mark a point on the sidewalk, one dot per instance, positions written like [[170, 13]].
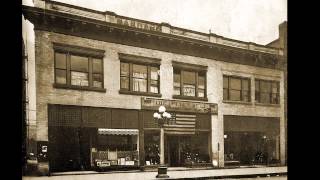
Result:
[[174, 174]]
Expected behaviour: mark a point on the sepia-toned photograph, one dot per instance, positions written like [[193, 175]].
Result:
[[166, 89]]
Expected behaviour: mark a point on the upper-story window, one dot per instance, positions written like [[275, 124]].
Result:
[[236, 88], [78, 68], [189, 81], [139, 75], [267, 92], [143, 78]]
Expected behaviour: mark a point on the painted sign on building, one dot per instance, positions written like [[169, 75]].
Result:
[[179, 106], [138, 24]]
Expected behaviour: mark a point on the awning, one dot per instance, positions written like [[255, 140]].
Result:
[[118, 131]]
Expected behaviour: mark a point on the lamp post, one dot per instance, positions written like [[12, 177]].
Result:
[[162, 117]]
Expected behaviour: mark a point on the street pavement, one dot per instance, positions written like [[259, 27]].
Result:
[[260, 178], [101, 177], [174, 174]]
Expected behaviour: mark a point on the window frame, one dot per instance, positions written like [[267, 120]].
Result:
[[89, 60], [258, 101], [55, 67], [241, 78], [133, 78], [93, 73], [199, 71], [88, 53], [144, 61]]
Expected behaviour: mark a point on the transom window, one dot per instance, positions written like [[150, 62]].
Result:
[[266, 91], [236, 88], [139, 78], [78, 70], [189, 83]]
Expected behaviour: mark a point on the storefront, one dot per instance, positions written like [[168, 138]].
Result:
[[92, 138], [96, 138], [180, 149], [251, 140], [187, 139]]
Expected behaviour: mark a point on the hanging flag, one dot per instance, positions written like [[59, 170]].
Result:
[[181, 124]]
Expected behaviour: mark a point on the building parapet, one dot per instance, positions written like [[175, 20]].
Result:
[[113, 18]]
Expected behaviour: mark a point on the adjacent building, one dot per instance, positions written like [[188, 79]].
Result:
[[101, 76], [23, 105], [281, 43]]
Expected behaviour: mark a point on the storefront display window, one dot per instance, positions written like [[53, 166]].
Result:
[[152, 148], [115, 150], [188, 150], [251, 148]]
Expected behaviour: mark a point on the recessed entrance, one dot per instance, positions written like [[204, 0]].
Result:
[[174, 151]]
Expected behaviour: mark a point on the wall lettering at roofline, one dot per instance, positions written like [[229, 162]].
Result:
[[138, 24]]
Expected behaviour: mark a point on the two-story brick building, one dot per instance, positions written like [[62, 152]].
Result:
[[101, 76]]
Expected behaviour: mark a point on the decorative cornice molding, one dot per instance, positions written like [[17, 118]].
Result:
[[146, 39]]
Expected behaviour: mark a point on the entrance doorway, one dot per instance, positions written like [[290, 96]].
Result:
[[174, 151]]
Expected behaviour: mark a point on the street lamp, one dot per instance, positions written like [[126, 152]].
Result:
[[162, 117]]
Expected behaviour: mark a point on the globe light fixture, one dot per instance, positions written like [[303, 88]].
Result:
[[156, 115], [162, 109]]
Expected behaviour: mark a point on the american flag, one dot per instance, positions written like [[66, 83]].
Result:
[[183, 124]]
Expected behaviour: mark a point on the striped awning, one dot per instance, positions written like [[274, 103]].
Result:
[[184, 124], [103, 131]]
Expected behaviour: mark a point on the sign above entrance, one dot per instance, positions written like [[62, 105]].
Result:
[[179, 106]]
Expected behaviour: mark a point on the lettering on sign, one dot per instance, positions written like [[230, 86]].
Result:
[[138, 24], [189, 90], [179, 106]]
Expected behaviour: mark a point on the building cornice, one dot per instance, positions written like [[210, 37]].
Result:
[[112, 17], [68, 23]]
